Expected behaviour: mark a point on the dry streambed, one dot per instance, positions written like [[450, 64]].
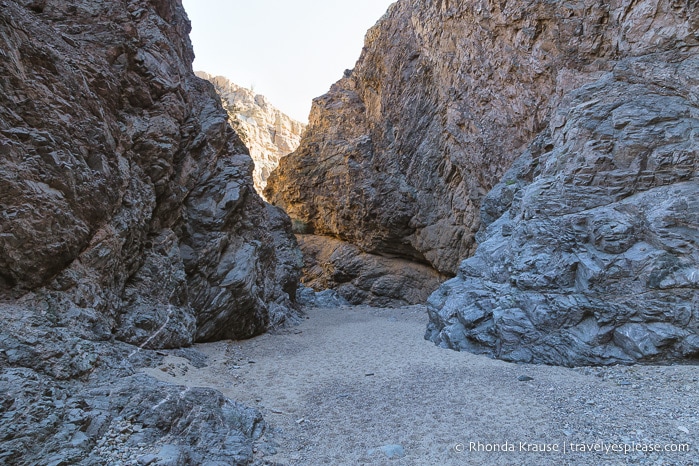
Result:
[[359, 385]]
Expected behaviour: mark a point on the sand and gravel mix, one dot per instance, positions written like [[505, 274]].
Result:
[[360, 386]]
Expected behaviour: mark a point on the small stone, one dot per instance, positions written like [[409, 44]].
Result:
[[147, 459], [524, 378], [390, 451]]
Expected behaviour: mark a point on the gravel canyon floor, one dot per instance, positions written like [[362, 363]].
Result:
[[359, 385]]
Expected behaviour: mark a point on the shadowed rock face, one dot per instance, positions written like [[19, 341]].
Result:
[[127, 212], [122, 185], [362, 278]]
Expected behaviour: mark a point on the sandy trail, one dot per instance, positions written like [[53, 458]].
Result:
[[348, 381]]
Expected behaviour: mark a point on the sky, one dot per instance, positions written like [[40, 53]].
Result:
[[289, 51]]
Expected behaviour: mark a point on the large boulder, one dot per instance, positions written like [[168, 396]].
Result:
[[590, 251]]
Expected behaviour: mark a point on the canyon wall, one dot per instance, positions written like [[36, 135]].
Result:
[[128, 222], [600, 98], [265, 130]]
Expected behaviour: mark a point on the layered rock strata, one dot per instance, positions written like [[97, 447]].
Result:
[[127, 214], [601, 99], [444, 97], [267, 132]]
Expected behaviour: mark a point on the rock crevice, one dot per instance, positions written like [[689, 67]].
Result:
[[267, 132]]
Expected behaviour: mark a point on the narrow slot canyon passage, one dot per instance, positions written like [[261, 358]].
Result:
[[477, 244]]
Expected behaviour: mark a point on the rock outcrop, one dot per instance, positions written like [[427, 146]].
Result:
[[601, 99], [128, 222], [361, 278], [591, 252], [268, 132]]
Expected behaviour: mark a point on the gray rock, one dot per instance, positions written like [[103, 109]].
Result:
[[594, 256], [128, 222], [145, 460], [306, 296], [389, 451]]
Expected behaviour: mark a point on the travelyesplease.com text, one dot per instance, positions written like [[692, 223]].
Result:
[[571, 447]]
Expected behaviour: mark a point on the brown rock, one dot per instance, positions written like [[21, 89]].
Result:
[[362, 278], [267, 132], [127, 212], [122, 185], [445, 95]]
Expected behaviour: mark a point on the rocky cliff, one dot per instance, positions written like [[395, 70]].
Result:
[[588, 250], [267, 132], [128, 222]]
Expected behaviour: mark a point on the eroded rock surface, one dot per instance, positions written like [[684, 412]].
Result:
[[127, 214], [362, 278], [590, 251], [444, 97], [592, 259], [268, 132]]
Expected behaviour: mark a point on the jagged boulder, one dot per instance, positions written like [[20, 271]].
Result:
[[127, 213], [590, 251]]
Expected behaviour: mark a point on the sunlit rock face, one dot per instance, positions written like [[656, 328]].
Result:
[[600, 98], [267, 132], [127, 214]]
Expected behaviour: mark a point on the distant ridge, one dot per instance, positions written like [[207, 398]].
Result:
[[268, 132]]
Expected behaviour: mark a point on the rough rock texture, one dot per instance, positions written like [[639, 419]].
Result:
[[446, 95], [362, 278], [122, 185], [590, 251], [127, 212], [442, 100], [268, 132]]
